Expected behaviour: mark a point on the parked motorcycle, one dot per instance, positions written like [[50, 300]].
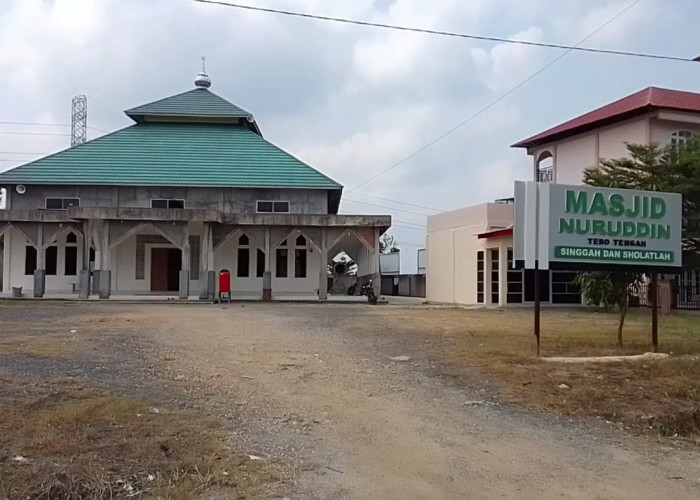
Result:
[[368, 289]]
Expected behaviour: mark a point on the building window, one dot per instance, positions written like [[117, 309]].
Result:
[[680, 137], [494, 275], [61, 203], [70, 255], [29, 260], [300, 263], [281, 263], [51, 260], [243, 262], [243, 270], [480, 276], [277, 207], [515, 282], [260, 263], [564, 290], [174, 203]]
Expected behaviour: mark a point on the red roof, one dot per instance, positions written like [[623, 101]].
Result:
[[497, 233], [640, 102]]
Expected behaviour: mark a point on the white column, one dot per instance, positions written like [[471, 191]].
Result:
[[503, 273], [323, 272]]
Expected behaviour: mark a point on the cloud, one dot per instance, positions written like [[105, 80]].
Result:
[[504, 65], [350, 100]]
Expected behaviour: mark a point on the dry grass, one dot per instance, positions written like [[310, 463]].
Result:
[[660, 396], [41, 347], [79, 443]]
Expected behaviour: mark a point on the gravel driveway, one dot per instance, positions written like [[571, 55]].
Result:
[[316, 386]]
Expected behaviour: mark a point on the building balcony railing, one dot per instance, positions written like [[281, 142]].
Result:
[[545, 175]]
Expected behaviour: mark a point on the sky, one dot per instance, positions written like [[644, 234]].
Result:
[[349, 100]]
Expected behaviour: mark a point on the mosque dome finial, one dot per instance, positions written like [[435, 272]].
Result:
[[203, 80]]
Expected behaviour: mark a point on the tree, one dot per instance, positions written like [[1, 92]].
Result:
[[388, 244], [673, 168], [610, 288], [670, 168]]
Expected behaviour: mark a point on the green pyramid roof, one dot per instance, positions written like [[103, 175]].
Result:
[[196, 103], [174, 154]]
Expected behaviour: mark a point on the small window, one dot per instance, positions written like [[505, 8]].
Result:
[[70, 261], [71, 238], [243, 240], [265, 206], [29, 260], [167, 203], [243, 262], [300, 263], [260, 263], [680, 137], [278, 207], [281, 207], [281, 263], [301, 241], [61, 203], [51, 260], [54, 204], [283, 243]]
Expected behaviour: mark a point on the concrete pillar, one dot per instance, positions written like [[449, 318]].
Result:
[[103, 277], [503, 274], [267, 275], [84, 275], [6, 260], [207, 275], [376, 275], [323, 274], [40, 271], [487, 276], [184, 288], [103, 283], [39, 282]]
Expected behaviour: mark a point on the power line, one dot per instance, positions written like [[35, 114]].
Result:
[[21, 153], [34, 133], [448, 33], [39, 124], [402, 202], [384, 206], [494, 102]]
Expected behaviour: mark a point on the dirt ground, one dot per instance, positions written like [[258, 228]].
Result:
[[312, 390]]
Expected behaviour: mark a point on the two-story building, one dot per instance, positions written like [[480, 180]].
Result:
[[470, 250], [162, 206]]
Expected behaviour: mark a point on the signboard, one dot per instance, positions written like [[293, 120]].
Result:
[[583, 227], [389, 263]]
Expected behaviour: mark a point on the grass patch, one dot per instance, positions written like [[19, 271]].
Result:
[[36, 346], [658, 396], [75, 442]]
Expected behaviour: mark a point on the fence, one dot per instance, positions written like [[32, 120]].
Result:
[[682, 297], [404, 285]]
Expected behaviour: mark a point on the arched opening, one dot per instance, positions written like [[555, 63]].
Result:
[[545, 167]]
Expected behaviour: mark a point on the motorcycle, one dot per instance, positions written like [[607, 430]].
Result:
[[368, 289]]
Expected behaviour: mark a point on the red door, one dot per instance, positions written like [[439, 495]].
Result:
[[159, 269]]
